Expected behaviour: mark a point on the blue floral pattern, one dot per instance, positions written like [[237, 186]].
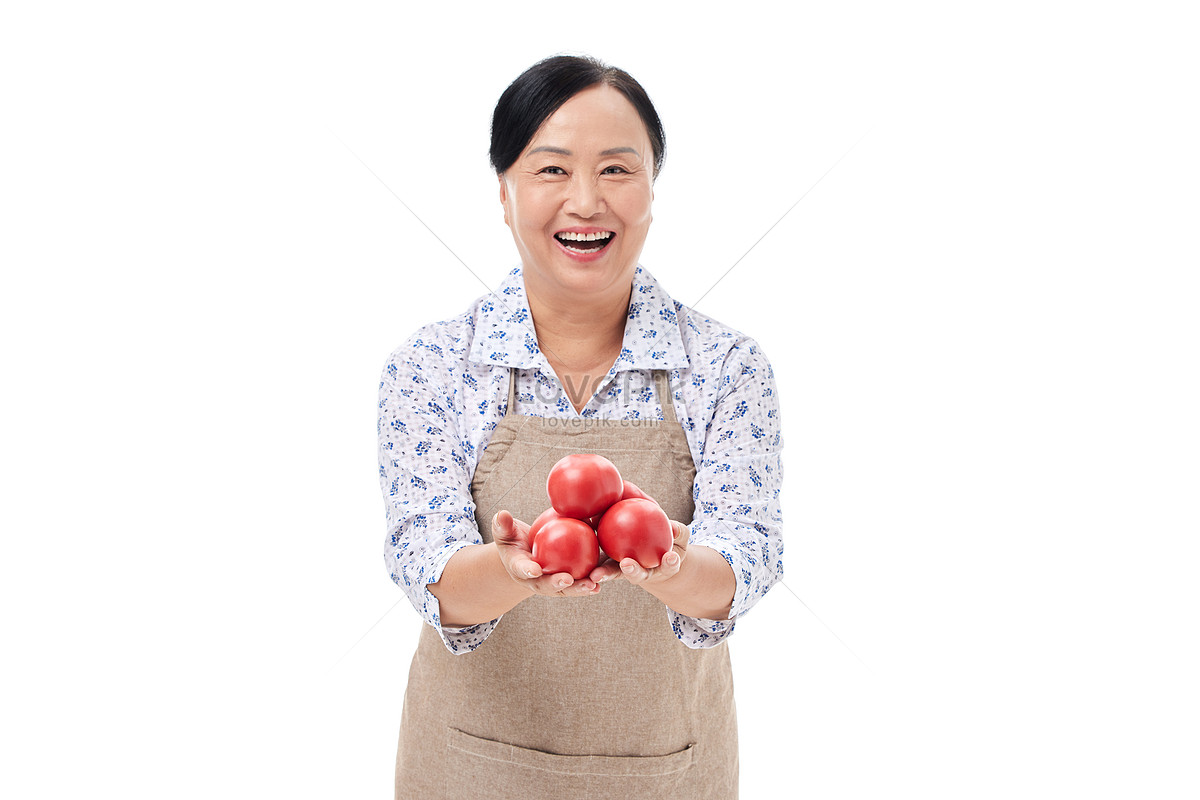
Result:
[[443, 391]]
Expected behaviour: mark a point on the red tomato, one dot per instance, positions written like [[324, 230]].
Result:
[[631, 490], [566, 545], [583, 485], [542, 519], [636, 528]]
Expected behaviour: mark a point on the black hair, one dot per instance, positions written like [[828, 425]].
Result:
[[542, 89]]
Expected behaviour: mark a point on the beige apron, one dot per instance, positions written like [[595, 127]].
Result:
[[589, 697]]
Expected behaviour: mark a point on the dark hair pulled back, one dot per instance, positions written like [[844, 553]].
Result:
[[542, 89]]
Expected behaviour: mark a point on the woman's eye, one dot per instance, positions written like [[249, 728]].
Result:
[[614, 170], [554, 171]]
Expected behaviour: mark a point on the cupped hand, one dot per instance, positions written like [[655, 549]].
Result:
[[516, 553], [606, 570], [672, 561]]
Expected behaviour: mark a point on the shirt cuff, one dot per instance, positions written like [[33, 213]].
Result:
[[698, 633], [722, 536], [457, 640]]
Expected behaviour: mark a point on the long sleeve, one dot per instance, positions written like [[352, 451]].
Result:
[[737, 489], [425, 470]]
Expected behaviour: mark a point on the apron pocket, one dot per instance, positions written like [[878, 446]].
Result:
[[498, 763]]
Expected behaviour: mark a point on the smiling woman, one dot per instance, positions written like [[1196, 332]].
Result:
[[535, 684], [578, 203]]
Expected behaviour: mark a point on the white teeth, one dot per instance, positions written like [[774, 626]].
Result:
[[584, 237]]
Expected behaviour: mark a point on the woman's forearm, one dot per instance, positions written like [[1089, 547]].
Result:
[[703, 588], [475, 587]]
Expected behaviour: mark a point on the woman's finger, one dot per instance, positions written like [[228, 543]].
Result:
[[525, 568], [680, 533], [669, 567], [563, 583], [502, 527], [606, 571], [510, 532], [633, 571]]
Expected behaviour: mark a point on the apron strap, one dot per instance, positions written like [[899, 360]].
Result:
[[511, 408], [662, 386]]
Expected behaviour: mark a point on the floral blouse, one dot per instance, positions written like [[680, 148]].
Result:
[[445, 389]]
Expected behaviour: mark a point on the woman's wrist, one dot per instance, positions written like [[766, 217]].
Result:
[[475, 587], [703, 587]]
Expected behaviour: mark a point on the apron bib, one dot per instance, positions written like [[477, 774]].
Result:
[[593, 696]]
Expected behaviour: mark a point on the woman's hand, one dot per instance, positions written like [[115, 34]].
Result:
[[516, 553], [606, 570], [672, 561]]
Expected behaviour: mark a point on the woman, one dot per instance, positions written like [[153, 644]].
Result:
[[533, 685]]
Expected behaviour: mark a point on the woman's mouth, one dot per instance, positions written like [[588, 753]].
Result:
[[585, 243]]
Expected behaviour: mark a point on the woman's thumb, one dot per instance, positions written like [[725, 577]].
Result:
[[502, 526]]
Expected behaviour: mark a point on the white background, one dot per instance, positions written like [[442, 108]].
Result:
[[983, 321]]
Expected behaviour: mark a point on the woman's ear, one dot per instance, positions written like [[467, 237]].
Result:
[[504, 197]]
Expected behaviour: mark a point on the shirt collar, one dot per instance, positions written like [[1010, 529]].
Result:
[[652, 338], [504, 333]]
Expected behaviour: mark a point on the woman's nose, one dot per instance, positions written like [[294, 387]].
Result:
[[584, 198]]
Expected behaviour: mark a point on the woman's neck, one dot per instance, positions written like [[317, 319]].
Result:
[[580, 340], [576, 334]]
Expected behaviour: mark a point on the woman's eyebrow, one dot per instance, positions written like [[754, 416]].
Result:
[[612, 151]]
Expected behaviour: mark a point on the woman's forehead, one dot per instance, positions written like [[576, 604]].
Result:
[[597, 121]]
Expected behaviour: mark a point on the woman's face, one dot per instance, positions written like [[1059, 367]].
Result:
[[578, 198]]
